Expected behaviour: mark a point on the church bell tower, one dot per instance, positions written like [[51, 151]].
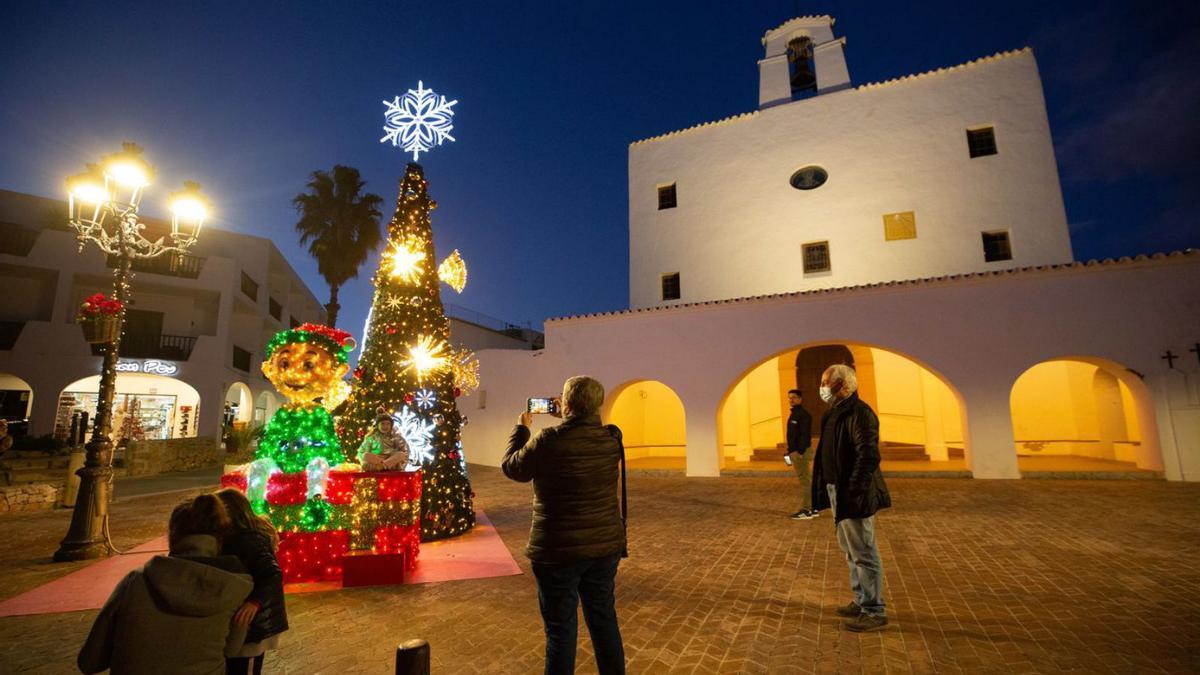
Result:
[[802, 57]]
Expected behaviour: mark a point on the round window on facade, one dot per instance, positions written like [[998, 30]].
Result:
[[809, 178]]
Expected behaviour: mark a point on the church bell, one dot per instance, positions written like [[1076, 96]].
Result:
[[800, 58]]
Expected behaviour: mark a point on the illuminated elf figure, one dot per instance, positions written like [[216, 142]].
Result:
[[407, 366], [306, 365]]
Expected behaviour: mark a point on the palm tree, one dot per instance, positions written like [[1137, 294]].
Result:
[[340, 225]]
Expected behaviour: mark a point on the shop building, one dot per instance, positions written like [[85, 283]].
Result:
[[194, 333]]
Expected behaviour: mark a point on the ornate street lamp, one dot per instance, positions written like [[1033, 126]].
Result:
[[103, 206]]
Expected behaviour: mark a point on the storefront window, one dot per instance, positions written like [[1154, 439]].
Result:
[[135, 416]]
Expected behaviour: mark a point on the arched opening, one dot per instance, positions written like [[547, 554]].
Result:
[[16, 404], [651, 419], [239, 409], [145, 407], [921, 420], [264, 406], [1081, 415]]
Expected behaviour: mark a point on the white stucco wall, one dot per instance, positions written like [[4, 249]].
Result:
[[888, 148], [978, 333]]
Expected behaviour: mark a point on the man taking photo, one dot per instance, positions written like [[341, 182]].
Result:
[[577, 536]]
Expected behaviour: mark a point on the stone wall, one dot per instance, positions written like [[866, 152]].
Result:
[[147, 458], [29, 497]]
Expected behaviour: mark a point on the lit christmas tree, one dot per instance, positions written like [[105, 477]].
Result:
[[408, 367]]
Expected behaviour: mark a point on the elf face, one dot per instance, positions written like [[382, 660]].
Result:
[[303, 372]]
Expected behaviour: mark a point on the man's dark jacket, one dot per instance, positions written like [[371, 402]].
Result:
[[573, 467], [853, 437], [799, 430], [254, 551]]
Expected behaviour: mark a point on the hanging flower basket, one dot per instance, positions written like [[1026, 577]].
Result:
[[99, 330], [98, 318]]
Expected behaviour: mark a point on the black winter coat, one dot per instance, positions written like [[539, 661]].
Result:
[[573, 466], [855, 447], [254, 550], [799, 430]]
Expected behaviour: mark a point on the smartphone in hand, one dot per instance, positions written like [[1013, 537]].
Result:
[[787, 459], [542, 406]]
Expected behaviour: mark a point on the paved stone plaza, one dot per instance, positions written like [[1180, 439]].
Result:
[[982, 576]]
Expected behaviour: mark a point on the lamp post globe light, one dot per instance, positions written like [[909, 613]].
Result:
[[103, 209]]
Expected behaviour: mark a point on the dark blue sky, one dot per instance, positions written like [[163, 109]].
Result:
[[249, 98]]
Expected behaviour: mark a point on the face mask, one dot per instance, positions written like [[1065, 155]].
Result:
[[826, 394]]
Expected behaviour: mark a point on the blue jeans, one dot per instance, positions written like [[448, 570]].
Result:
[[856, 538], [560, 588]]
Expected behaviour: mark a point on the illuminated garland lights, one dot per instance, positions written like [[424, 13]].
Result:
[[408, 366], [358, 511]]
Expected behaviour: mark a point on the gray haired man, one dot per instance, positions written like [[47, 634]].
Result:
[[847, 480], [578, 535]]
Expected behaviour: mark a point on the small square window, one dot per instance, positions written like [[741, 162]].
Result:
[[816, 257], [981, 142], [899, 226], [670, 286], [996, 246], [249, 287], [666, 197]]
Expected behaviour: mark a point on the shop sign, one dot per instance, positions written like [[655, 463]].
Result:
[[148, 366]]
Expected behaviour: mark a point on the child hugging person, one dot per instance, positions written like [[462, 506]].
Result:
[[175, 613], [253, 540]]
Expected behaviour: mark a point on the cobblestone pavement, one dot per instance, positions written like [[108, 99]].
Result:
[[982, 576]]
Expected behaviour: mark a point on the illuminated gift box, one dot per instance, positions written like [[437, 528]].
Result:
[[377, 511]]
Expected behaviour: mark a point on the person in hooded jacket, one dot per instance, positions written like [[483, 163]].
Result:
[[175, 614], [254, 541]]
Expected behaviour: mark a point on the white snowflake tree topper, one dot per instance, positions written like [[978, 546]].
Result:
[[418, 121]]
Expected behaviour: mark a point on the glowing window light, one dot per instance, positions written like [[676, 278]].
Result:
[[418, 121]]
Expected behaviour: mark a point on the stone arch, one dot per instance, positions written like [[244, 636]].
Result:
[[145, 406], [239, 404], [16, 403], [651, 417], [923, 416], [1087, 408], [265, 405]]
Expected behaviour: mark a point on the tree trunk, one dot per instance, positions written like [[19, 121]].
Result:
[[331, 310]]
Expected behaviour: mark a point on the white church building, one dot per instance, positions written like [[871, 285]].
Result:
[[913, 228]]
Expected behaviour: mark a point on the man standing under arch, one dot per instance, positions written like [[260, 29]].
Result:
[[847, 480], [799, 440]]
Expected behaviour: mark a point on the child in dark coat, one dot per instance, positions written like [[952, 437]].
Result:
[[253, 540]]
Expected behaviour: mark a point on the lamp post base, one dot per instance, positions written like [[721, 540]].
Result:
[[85, 539]]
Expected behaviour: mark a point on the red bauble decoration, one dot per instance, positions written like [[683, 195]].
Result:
[[358, 373], [391, 330], [457, 392], [408, 398]]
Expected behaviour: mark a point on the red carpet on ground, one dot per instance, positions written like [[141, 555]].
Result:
[[477, 554]]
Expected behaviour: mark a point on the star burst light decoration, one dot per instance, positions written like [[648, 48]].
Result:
[[418, 121], [427, 355], [407, 261]]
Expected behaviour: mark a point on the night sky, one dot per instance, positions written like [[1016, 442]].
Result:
[[249, 98]]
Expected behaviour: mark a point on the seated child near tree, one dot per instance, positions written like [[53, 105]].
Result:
[[384, 448]]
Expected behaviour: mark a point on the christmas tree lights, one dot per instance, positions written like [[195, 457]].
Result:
[[408, 367]]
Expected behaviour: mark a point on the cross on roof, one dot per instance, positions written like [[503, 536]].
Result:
[[1169, 357]]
